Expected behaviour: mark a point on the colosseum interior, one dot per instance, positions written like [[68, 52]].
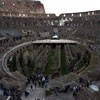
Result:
[[48, 57]]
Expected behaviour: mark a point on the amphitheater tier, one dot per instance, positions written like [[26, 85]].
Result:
[[21, 7]]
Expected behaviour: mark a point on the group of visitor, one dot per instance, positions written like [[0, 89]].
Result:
[[13, 93], [35, 81], [82, 83], [39, 80], [76, 90]]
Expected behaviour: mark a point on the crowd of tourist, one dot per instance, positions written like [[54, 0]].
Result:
[[40, 80], [13, 93], [35, 81]]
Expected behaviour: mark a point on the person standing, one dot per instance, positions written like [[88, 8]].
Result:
[[43, 81], [35, 83], [31, 87]]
